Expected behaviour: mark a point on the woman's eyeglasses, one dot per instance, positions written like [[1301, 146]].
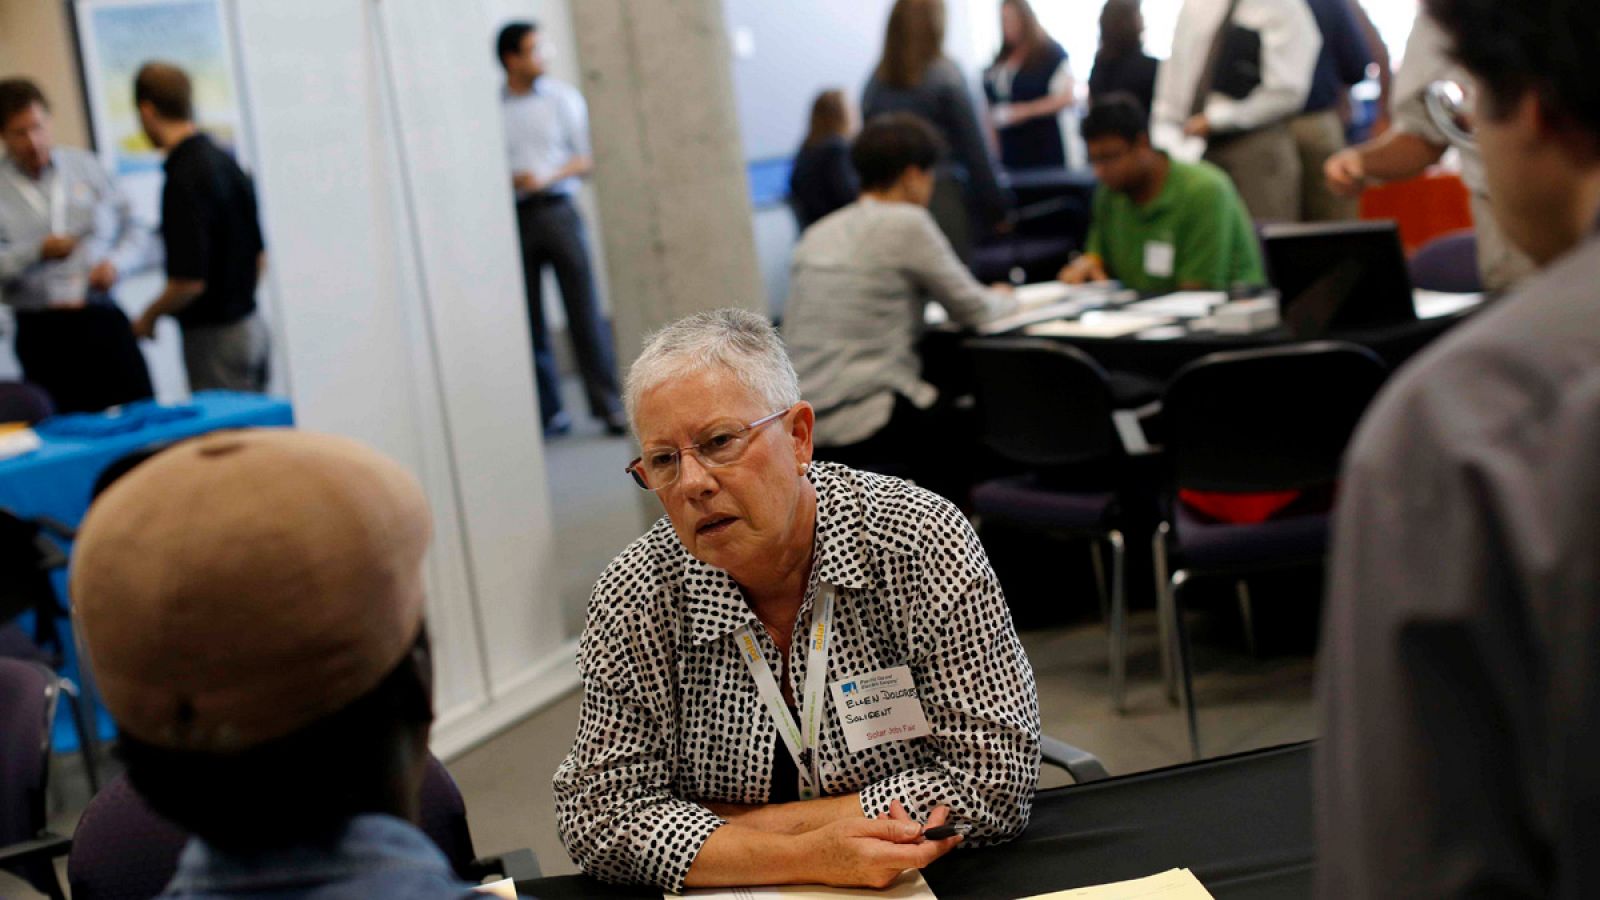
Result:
[[660, 467]]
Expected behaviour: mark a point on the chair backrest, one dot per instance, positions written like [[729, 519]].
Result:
[[1276, 419], [123, 850], [23, 402], [1042, 403], [1448, 263], [28, 693]]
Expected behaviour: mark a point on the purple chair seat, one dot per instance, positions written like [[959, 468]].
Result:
[[1025, 501], [1205, 545], [1448, 264]]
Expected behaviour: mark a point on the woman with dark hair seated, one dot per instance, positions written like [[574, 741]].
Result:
[[858, 287]]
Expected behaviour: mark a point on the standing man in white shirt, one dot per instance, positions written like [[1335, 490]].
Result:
[[1239, 71], [66, 236], [547, 144]]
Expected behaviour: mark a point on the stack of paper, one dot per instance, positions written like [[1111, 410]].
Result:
[[1183, 305], [1100, 325], [1175, 884]]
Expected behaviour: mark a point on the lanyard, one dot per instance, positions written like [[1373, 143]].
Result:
[[802, 744], [54, 210]]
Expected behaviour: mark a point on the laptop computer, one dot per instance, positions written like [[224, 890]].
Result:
[[1340, 276]]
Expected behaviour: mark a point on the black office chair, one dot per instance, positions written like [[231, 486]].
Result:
[[29, 555], [1048, 407], [28, 693], [123, 850], [1254, 421]]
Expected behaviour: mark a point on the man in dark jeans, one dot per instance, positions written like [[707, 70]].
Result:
[[547, 144], [215, 251]]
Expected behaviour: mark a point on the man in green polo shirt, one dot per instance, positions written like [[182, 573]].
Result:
[[1160, 225]]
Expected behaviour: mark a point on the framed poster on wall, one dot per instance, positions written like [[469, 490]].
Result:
[[115, 38]]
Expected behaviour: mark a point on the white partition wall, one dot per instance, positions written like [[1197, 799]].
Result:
[[394, 258]]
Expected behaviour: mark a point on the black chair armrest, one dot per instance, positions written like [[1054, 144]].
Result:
[[517, 865], [46, 847], [1082, 765]]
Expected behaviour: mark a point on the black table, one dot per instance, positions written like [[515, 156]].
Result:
[[1242, 824]]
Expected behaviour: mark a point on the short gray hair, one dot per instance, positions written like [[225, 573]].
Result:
[[743, 343]]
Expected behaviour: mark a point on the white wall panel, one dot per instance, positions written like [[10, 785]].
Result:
[[468, 258], [353, 322]]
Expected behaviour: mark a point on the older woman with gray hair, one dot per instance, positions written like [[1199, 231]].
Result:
[[801, 666]]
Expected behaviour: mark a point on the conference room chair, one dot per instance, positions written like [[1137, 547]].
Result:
[[1448, 263], [1047, 408], [30, 555], [123, 850], [28, 694], [1255, 422], [24, 402]]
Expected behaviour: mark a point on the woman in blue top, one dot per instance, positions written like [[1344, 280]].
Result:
[[823, 179], [1029, 86]]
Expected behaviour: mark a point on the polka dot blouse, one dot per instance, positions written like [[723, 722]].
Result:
[[671, 718]]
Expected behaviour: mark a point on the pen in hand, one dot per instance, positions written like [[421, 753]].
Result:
[[941, 832]]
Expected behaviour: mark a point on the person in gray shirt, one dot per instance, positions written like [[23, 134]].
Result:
[[1460, 670], [859, 283], [66, 237]]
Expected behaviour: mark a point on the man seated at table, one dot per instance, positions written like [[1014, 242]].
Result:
[[1160, 225], [263, 654]]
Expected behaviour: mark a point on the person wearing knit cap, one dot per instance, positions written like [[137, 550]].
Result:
[[251, 606]]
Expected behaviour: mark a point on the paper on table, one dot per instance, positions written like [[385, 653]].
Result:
[[505, 888], [1174, 884], [1183, 304], [1059, 301], [1100, 325], [910, 886], [1436, 305]]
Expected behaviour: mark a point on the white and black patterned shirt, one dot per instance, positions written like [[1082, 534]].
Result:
[[671, 715]]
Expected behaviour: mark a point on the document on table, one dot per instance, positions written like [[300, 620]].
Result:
[[1436, 305], [1174, 884], [1100, 325], [910, 886], [1183, 304], [1051, 300], [505, 889]]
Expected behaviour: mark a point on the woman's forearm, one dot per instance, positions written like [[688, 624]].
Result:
[[790, 818]]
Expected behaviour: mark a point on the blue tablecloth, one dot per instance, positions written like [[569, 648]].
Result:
[[57, 479]]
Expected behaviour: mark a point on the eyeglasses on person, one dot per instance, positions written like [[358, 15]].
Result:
[[659, 467]]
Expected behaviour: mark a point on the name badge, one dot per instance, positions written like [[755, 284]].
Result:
[[1158, 259], [879, 708]]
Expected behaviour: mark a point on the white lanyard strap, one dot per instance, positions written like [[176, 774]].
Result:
[[801, 745]]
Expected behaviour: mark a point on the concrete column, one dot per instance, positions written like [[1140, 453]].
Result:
[[669, 169]]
